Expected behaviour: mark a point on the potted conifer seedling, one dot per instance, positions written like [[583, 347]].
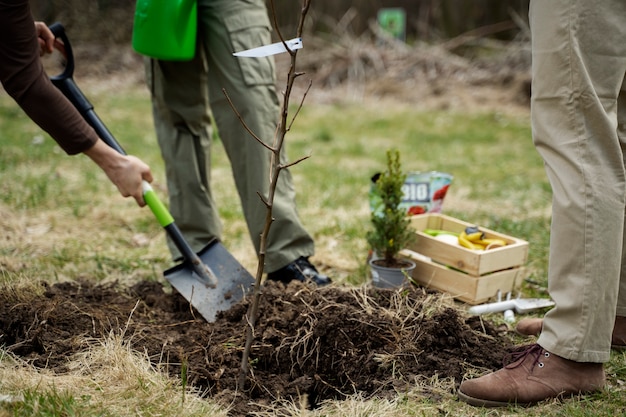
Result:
[[391, 230]]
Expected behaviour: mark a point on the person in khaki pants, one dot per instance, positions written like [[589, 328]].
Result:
[[578, 112], [184, 93]]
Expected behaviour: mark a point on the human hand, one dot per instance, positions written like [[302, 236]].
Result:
[[125, 171], [128, 177], [45, 37]]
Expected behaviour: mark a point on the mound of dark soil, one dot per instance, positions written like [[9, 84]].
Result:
[[327, 343]]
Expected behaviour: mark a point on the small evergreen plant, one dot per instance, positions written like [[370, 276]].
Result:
[[391, 232]]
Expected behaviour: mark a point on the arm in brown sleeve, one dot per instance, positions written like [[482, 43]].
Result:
[[23, 77]]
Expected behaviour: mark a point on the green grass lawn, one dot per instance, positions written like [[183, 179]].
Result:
[[61, 219]]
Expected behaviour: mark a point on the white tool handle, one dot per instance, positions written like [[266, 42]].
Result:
[[492, 307]]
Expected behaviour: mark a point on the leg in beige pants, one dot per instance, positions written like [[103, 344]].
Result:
[[578, 116]]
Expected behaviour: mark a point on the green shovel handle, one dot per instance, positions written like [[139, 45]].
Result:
[[161, 213]]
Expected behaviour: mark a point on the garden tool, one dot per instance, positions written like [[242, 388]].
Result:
[[211, 280], [520, 305]]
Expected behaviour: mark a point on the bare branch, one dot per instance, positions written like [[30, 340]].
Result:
[[277, 28], [263, 200], [306, 92], [275, 169], [243, 123], [296, 162], [305, 9]]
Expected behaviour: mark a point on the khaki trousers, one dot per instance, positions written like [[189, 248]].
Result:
[[578, 111], [186, 94]]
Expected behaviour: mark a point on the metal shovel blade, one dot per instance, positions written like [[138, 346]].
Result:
[[234, 282]]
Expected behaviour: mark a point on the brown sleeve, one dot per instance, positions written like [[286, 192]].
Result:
[[23, 77]]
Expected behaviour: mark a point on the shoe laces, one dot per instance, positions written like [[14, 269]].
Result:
[[518, 356]]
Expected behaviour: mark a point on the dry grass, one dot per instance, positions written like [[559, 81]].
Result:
[[109, 376]]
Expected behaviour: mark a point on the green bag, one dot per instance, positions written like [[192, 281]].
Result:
[[166, 29]]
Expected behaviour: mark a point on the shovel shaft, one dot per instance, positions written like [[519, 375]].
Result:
[[205, 274]]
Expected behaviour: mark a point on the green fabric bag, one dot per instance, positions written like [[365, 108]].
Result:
[[166, 29]]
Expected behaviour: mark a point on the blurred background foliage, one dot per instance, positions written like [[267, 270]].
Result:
[[110, 21]]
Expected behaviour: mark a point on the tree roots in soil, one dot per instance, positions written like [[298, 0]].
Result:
[[326, 343]]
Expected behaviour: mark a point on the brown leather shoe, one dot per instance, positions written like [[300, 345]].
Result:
[[532, 327], [534, 375], [529, 326]]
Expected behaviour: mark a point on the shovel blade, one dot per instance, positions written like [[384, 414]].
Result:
[[234, 282], [526, 305]]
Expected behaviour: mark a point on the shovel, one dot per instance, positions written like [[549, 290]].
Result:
[[211, 280]]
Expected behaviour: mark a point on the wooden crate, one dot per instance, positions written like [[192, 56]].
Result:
[[470, 276]]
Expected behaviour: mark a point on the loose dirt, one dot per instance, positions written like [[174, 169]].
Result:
[[322, 343]]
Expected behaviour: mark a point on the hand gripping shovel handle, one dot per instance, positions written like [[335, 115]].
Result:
[[68, 87]]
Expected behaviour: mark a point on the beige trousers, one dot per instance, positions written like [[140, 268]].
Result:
[[185, 94], [578, 110]]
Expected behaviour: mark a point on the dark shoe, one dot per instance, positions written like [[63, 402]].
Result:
[[618, 340], [300, 270], [534, 376], [532, 327]]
